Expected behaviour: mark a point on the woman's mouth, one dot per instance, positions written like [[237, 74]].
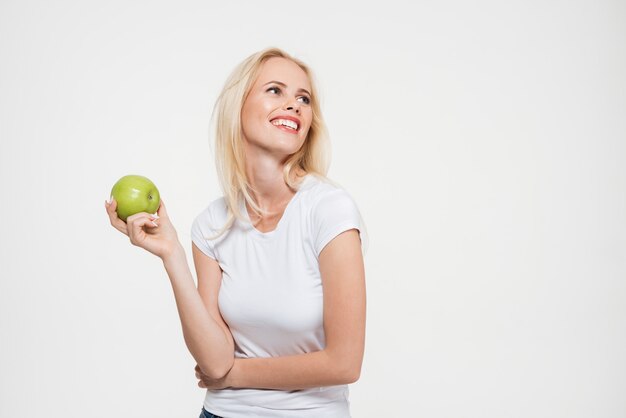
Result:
[[286, 125]]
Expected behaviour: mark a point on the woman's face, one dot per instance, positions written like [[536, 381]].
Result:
[[276, 115]]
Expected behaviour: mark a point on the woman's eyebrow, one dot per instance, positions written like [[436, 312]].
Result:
[[284, 85]]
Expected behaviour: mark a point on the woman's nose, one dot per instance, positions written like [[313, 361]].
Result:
[[292, 106]]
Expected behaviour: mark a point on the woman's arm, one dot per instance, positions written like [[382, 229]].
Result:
[[343, 279], [206, 336], [206, 339]]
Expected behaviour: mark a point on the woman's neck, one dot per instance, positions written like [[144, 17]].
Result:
[[270, 191]]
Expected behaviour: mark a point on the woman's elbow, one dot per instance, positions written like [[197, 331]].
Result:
[[217, 371], [349, 373], [347, 367], [353, 375]]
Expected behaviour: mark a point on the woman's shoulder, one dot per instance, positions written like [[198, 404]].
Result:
[[214, 214], [215, 206], [319, 190], [332, 210]]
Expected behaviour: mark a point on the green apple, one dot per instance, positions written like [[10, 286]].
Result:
[[135, 194]]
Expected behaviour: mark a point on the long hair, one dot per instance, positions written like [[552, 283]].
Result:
[[313, 157]]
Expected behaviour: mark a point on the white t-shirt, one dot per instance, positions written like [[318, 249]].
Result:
[[271, 295]]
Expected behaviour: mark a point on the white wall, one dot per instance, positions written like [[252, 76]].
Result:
[[483, 141]]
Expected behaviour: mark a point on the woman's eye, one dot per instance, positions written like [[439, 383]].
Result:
[[276, 90]]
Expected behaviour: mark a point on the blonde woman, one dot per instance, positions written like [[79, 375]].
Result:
[[276, 323]]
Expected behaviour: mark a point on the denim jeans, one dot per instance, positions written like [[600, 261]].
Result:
[[207, 414]]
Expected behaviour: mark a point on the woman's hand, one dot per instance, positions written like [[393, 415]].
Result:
[[143, 230], [208, 383]]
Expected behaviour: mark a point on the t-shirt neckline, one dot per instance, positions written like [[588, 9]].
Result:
[[283, 218]]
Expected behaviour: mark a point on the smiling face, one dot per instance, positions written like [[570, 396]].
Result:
[[276, 115]]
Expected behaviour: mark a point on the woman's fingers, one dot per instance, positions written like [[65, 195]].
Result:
[[162, 211], [117, 223], [197, 370], [142, 217], [136, 223], [198, 376], [152, 232]]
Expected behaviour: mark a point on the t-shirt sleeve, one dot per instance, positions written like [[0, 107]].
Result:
[[336, 212], [200, 232]]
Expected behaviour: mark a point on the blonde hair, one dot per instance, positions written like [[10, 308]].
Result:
[[313, 157]]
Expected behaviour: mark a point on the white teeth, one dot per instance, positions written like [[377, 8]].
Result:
[[288, 123]]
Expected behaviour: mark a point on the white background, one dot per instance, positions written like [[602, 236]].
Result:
[[484, 142]]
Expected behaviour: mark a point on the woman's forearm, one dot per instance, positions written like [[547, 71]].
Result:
[[205, 339], [301, 371]]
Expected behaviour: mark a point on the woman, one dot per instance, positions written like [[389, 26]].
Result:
[[277, 321]]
